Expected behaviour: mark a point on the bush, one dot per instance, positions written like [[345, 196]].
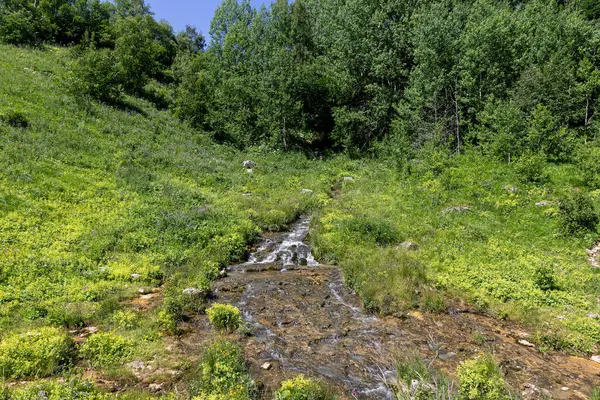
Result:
[[544, 278], [530, 167], [40, 353], [480, 379], [302, 388], [16, 119], [95, 74], [224, 317], [577, 214], [586, 159], [222, 374], [106, 349]]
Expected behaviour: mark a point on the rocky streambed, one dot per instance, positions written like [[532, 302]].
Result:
[[305, 320]]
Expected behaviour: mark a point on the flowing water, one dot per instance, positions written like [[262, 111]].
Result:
[[305, 320]]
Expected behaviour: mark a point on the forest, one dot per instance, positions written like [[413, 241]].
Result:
[[445, 152]]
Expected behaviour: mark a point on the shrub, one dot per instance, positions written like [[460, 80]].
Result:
[[577, 214], [16, 119], [544, 278], [106, 349], [530, 167], [480, 379], [222, 374], [586, 159], [40, 353], [302, 388], [95, 74], [224, 317]]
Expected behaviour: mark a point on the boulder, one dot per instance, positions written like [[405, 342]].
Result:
[[249, 164], [194, 292], [408, 245]]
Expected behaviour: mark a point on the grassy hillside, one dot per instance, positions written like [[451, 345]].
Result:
[[98, 203]]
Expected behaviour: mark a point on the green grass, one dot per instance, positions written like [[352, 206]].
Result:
[[97, 202], [492, 254]]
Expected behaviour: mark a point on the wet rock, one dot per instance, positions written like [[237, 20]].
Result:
[[223, 273], [454, 209], [306, 191], [525, 343], [142, 291], [533, 392], [266, 366], [408, 245], [595, 359], [194, 292], [248, 164]]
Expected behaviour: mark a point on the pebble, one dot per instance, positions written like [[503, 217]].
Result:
[[525, 343], [595, 359], [266, 366]]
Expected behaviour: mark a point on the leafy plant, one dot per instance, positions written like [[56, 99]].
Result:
[[531, 167], [41, 352], [106, 349], [224, 316], [302, 388], [544, 278], [222, 374], [481, 379], [577, 214], [95, 74]]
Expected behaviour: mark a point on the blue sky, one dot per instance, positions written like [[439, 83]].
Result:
[[180, 13]]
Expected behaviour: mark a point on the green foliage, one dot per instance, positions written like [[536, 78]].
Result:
[[531, 167], [544, 278], [586, 158], [15, 118], [302, 388], [36, 353], [72, 388], [95, 74], [371, 229], [106, 349], [222, 374], [418, 380], [481, 379], [224, 316], [577, 214]]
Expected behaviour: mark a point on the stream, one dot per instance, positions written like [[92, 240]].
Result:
[[304, 319]]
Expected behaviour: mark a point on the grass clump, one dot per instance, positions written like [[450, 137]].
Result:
[[578, 214], [222, 374], [224, 317], [15, 118], [481, 379], [418, 380], [302, 388], [106, 349], [40, 353]]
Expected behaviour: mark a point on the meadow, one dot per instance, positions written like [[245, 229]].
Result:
[[101, 204]]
